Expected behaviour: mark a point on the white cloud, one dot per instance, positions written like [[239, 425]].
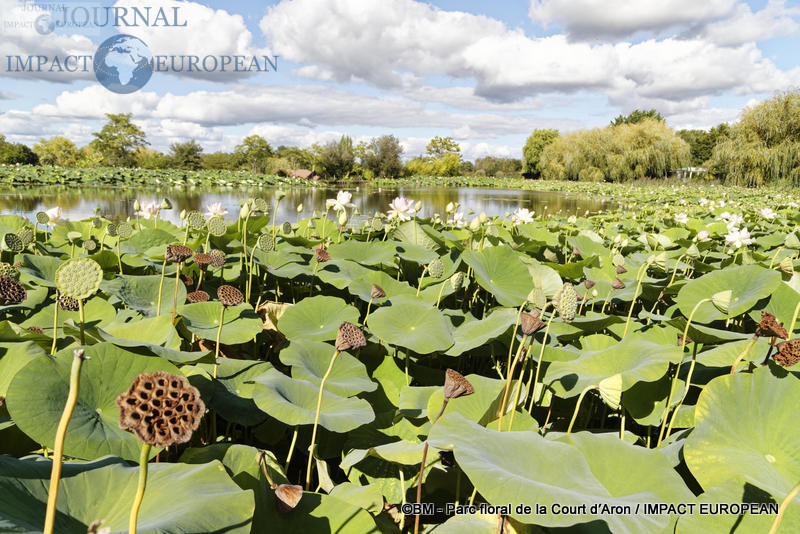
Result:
[[775, 20]]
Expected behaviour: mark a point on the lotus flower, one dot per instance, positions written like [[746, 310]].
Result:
[[702, 236], [735, 221], [450, 208], [215, 209], [149, 209], [402, 208], [522, 215], [457, 220], [736, 238], [341, 202], [54, 214], [681, 218], [767, 213]]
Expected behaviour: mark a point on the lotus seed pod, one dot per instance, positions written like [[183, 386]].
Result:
[[530, 323], [722, 300], [349, 337], [287, 497], [197, 296], [377, 224], [166, 204], [12, 243], [79, 278], [589, 284], [35, 330], [125, 230], [8, 270], [286, 228], [178, 253], [26, 235], [436, 268], [455, 385], [97, 223], [475, 224], [787, 266], [377, 292], [42, 218], [266, 243], [161, 409], [788, 353], [216, 226], [770, 327], [12, 291], [260, 205], [567, 303], [202, 260], [681, 343], [111, 230], [66, 303], [621, 269], [229, 296], [660, 260], [280, 194], [457, 280], [90, 245], [195, 220], [322, 255], [618, 284], [217, 259]]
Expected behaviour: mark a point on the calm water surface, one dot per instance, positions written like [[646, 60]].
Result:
[[117, 203]]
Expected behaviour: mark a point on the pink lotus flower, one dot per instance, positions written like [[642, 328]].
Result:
[[402, 208]]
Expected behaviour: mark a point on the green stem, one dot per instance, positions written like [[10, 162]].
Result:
[[639, 276], [419, 283], [61, 432], [55, 328], [291, 450], [422, 466], [782, 509], [175, 292], [794, 318], [316, 420], [741, 357], [161, 285], [510, 373], [578, 407], [519, 386], [137, 501], [219, 333], [675, 271], [119, 256], [80, 312], [541, 353], [369, 304]]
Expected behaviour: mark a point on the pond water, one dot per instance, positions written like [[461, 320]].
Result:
[[117, 203]]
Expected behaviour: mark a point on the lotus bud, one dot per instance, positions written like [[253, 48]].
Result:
[[349, 337], [483, 217], [455, 385], [136, 205], [475, 224], [418, 206], [183, 215], [450, 208], [299, 208], [594, 293], [244, 211], [722, 300], [280, 194], [342, 218]]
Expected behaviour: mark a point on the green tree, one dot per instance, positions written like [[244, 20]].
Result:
[[221, 161], [14, 153], [439, 147], [336, 159], [148, 158], [186, 155], [255, 152], [298, 158], [57, 150], [637, 116], [118, 140], [499, 167], [382, 157], [532, 151], [702, 142]]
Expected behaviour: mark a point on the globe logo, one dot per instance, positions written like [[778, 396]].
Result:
[[123, 64], [44, 24]]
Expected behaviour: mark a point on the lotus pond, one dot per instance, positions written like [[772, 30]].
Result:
[[620, 371]]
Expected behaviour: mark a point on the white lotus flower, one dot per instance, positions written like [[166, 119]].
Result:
[[724, 216], [767, 213], [703, 201], [572, 219], [215, 209], [681, 218], [149, 210], [450, 208], [402, 208], [54, 214], [735, 221], [522, 215], [794, 205], [457, 220], [341, 202], [702, 236], [736, 238]]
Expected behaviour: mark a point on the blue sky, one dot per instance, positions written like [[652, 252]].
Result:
[[486, 73]]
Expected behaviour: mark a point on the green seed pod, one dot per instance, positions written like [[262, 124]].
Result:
[[26, 235], [436, 268], [97, 223], [217, 258], [787, 266], [12, 243], [112, 230], [260, 205], [265, 243], [457, 280], [216, 226], [79, 278], [42, 217], [90, 245], [125, 231], [567, 303], [286, 228], [74, 236], [8, 270], [195, 220], [377, 224]]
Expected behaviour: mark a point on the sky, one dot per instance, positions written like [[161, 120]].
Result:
[[485, 73]]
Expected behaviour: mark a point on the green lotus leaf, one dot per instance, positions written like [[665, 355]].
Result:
[[410, 323], [413, 253], [293, 401], [581, 468], [316, 318], [141, 293], [500, 271], [241, 324], [414, 233], [42, 269], [79, 278], [231, 391], [179, 497], [372, 253], [483, 406], [39, 390], [470, 333], [97, 313], [747, 284], [341, 273], [13, 357], [152, 330], [309, 361]]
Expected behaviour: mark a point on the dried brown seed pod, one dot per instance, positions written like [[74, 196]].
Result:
[[229, 296], [621, 269], [377, 292], [576, 252], [178, 253], [589, 284], [203, 260], [287, 496], [67, 303], [455, 385], [187, 280], [161, 409], [11, 291], [788, 353], [197, 296], [217, 259], [36, 330], [618, 284], [322, 255], [680, 340], [530, 323], [349, 337], [770, 327]]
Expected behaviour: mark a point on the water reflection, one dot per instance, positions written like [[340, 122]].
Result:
[[117, 203]]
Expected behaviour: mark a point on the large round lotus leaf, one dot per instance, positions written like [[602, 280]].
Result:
[[13, 357], [147, 239], [79, 278], [470, 333], [179, 498], [42, 269], [151, 330], [372, 253], [413, 253], [341, 273], [500, 271], [482, 406], [746, 426], [97, 312], [316, 318], [362, 287], [231, 391], [141, 293], [636, 358], [309, 361], [294, 402], [413, 232], [748, 283], [39, 390], [202, 319], [583, 468], [410, 323]]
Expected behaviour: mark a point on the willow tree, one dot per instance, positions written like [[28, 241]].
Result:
[[764, 147], [646, 149]]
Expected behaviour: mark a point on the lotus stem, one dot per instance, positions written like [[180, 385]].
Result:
[[741, 357], [519, 386], [291, 450], [55, 328], [775, 256], [621, 423], [175, 292], [782, 509], [80, 312], [161, 285], [249, 274], [422, 466], [794, 318], [137, 501], [316, 419], [408, 382], [439, 296], [675, 270], [510, 373], [639, 277], [119, 256], [219, 334], [578, 406], [605, 301], [424, 270], [369, 304], [243, 256], [186, 234], [61, 432], [539, 363], [275, 214]]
